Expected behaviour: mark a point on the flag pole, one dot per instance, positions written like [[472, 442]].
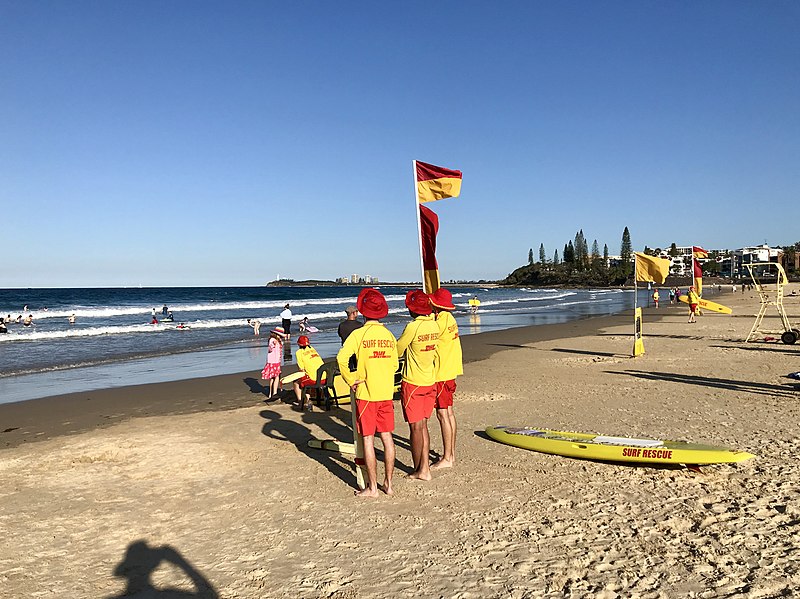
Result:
[[419, 226]]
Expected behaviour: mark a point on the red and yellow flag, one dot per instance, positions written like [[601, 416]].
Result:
[[436, 182], [429, 227], [697, 269]]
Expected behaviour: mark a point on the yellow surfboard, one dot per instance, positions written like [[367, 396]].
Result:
[[704, 304], [614, 449]]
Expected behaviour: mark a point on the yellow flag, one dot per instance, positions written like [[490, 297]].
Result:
[[650, 269]]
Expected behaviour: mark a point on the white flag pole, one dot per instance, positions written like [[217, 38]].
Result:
[[419, 225]]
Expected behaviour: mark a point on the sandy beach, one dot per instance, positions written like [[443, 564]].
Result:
[[201, 489]]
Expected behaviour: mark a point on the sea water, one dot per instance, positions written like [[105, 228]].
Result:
[[112, 342]]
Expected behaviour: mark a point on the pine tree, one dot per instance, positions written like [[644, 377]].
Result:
[[595, 252], [625, 251], [605, 254], [555, 258], [542, 255], [569, 254], [530, 256]]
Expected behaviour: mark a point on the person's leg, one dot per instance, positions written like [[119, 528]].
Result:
[[388, 461], [370, 462], [420, 446], [298, 392], [447, 421]]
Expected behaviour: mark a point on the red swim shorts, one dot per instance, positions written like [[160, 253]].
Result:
[[374, 417], [417, 401], [307, 381], [693, 307], [444, 394]]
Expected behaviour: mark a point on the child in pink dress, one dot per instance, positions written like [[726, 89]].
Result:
[[272, 369]]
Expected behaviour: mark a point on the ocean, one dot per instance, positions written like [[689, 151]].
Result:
[[112, 342]]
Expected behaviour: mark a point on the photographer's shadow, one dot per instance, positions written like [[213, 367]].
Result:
[[142, 560]]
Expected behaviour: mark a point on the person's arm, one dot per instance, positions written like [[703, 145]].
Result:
[[349, 348], [405, 339]]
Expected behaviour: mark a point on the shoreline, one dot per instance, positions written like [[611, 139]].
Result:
[[73, 413]]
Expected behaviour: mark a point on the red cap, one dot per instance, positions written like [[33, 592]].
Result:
[[372, 304], [418, 302], [442, 299], [302, 341]]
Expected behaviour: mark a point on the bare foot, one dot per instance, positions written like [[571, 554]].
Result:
[[367, 493], [387, 488], [419, 476], [442, 463]]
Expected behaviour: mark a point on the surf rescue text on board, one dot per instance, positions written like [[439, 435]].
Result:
[[636, 452]]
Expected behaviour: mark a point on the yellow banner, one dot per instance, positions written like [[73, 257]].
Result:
[[650, 269], [638, 341]]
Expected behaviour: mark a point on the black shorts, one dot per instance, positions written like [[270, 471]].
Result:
[[287, 324]]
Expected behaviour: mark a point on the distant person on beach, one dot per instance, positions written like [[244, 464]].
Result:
[[449, 365], [272, 369], [154, 321], [309, 361], [304, 324], [256, 324], [693, 301], [19, 319], [3, 327], [72, 319], [474, 304], [372, 385], [418, 389], [656, 297], [28, 320], [350, 324], [671, 295], [164, 310], [154, 313], [170, 317], [286, 320]]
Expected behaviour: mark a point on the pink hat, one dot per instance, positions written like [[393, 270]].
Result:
[[418, 302], [442, 299], [372, 304]]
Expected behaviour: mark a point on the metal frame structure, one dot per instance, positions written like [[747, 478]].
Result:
[[766, 293]]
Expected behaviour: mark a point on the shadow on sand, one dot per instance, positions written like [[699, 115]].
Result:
[[142, 560], [704, 381]]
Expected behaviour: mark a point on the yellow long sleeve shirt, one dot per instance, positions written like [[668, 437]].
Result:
[[449, 361], [309, 361], [418, 343], [376, 353]]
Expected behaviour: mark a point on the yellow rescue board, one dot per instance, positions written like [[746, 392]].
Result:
[[614, 449], [332, 445], [707, 305]]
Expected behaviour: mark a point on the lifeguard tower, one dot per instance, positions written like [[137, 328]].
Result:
[[771, 294]]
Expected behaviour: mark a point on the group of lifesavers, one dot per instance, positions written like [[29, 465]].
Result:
[[432, 355]]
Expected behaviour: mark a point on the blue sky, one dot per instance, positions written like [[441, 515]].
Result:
[[200, 143]]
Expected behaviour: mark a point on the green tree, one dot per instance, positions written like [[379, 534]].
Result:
[[530, 256], [605, 254], [625, 252], [555, 258], [595, 252], [542, 255], [569, 254]]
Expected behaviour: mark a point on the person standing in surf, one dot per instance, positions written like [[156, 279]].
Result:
[[449, 365], [418, 344], [372, 383], [286, 320]]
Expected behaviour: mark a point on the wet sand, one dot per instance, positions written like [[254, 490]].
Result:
[[202, 488]]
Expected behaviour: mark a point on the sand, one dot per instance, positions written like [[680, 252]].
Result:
[[223, 499]]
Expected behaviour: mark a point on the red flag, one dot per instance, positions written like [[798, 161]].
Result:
[[429, 227]]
